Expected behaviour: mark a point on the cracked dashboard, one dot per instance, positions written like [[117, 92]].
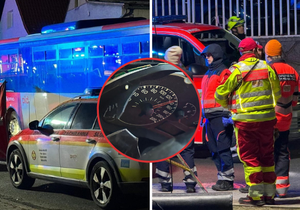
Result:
[[148, 108]]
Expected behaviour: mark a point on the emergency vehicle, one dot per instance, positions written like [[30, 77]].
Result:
[[67, 146], [192, 38], [45, 69]]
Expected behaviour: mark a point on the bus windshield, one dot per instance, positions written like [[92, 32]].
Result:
[[226, 40]]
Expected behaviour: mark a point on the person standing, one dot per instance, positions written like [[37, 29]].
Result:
[[289, 82], [218, 136], [173, 55], [236, 26], [251, 93]]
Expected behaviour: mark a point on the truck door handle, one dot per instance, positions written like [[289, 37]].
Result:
[[55, 139], [91, 141]]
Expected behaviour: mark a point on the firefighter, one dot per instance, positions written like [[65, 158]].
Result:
[[236, 26], [251, 93], [219, 136], [289, 82], [173, 55]]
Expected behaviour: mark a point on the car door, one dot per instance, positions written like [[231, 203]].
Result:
[[44, 150], [75, 146]]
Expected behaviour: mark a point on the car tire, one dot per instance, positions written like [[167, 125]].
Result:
[[13, 124], [17, 172], [103, 185]]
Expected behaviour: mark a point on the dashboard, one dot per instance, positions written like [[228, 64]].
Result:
[[150, 112]]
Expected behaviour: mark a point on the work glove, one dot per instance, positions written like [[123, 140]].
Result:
[[227, 121]]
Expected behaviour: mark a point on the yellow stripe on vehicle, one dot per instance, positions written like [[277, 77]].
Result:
[[49, 170], [133, 175]]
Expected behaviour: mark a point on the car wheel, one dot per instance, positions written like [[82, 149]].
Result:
[[17, 172], [13, 124], [103, 185]]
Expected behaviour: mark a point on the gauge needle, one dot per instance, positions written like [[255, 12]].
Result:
[[162, 104]]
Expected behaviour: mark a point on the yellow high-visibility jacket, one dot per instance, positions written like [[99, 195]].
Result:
[[255, 99]]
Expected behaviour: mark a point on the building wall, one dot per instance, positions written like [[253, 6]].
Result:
[[17, 29], [72, 4], [95, 11]]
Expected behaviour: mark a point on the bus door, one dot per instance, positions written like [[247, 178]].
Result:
[[3, 127]]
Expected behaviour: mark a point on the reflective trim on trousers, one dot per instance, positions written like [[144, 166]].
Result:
[[282, 185], [188, 177], [270, 190], [256, 192], [163, 174], [226, 175]]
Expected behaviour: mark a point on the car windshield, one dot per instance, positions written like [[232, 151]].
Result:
[[226, 40]]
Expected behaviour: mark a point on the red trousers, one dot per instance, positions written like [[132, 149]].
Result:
[[255, 144]]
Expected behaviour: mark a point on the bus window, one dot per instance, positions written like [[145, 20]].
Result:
[[50, 54], [111, 50], [65, 53], [78, 53], [96, 50], [131, 48], [145, 47], [39, 56]]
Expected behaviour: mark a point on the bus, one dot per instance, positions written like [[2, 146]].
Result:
[[48, 68]]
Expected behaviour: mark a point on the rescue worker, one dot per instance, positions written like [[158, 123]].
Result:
[[173, 55], [289, 82], [259, 54], [251, 93], [218, 135], [236, 26]]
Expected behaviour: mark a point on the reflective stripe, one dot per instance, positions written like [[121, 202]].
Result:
[[256, 75], [256, 191], [186, 173], [209, 101], [270, 190], [252, 104], [210, 110], [226, 175], [254, 116], [220, 97], [162, 173], [282, 180], [257, 93]]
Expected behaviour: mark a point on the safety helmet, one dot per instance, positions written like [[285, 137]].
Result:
[[234, 21]]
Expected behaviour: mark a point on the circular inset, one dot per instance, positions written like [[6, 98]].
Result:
[[149, 110]]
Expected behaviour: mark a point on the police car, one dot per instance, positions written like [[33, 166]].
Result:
[[68, 146]]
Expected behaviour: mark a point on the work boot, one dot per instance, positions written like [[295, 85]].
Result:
[[223, 185], [244, 189], [166, 187], [190, 189], [247, 200], [270, 201]]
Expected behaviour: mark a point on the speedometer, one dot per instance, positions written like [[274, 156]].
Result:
[[149, 104]]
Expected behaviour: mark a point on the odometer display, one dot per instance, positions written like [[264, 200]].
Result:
[[149, 104]]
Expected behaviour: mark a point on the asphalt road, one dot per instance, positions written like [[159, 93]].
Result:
[[207, 174], [51, 196]]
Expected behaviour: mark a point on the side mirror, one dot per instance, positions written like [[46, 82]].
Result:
[[34, 125]]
